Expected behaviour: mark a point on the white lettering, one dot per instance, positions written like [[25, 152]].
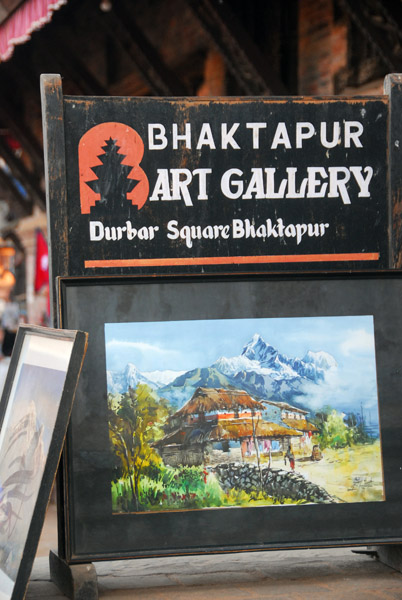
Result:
[[162, 186], [256, 133], [292, 193], [353, 130], [256, 185], [313, 182], [337, 184], [153, 137], [336, 135], [96, 231], [185, 137], [270, 190], [281, 137], [227, 184], [180, 186], [206, 138], [202, 182], [362, 182], [304, 131], [227, 136]]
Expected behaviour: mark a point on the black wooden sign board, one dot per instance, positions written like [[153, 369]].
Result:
[[200, 186], [195, 186], [167, 221]]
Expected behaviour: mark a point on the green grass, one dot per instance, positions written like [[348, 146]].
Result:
[[184, 488]]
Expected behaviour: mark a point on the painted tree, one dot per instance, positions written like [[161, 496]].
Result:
[[334, 432], [134, 423], [112, 182]]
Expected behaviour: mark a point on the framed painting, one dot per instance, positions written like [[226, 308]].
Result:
[[234, 413], [34, 413]]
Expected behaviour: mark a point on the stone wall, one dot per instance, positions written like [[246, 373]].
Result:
[[277, 483]]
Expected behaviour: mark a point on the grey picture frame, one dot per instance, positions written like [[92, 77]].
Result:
[[47, 364]]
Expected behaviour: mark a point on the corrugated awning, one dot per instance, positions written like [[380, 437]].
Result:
[[27, 18]]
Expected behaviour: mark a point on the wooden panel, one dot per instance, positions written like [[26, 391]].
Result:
[[209, 185], [55, 171], [393, 87]]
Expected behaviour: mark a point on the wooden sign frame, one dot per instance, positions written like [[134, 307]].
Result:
[[79, 264]]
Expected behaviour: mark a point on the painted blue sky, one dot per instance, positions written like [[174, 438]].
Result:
[[186, 345]]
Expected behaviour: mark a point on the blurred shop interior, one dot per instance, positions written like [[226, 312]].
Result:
[[162, 48]]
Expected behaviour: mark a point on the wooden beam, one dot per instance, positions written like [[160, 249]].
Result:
[[392, 11], [376, 37], [252, 72], [120, 24], [68, 63], [26, 178]]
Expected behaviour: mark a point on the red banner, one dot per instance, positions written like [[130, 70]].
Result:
[[41, 262]]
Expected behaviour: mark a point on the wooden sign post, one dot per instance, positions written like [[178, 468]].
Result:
[[177, 228]]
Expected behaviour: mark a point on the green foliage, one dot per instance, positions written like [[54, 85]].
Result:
[[185, 487], [360, 435], [170, 488], [338, 431], [135, 421], [181, 487], [335, 433]]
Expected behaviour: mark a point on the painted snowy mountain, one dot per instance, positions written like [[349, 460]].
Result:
[[260, 369], [120, 381], [161, 378], [262, 359]]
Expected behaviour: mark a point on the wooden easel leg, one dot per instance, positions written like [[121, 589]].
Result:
[[77, 582], [390, 555]]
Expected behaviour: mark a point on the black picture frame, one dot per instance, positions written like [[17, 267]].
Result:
[[93, 533], [34, 412]]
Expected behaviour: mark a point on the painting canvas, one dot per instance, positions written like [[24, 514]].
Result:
[[30, 413], [219, 413]]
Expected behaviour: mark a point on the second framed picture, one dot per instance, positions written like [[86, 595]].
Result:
[[237, 413], [34, 413]]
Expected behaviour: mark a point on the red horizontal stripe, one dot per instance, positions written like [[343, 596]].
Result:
[[230, 260]]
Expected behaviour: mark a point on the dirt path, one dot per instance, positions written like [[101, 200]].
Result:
[[350, 474]]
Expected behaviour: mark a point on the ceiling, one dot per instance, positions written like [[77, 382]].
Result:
[[169, 48]]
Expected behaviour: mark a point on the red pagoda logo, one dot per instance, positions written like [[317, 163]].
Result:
[[109, 157]]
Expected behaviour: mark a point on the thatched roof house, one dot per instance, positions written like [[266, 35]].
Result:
[[211, 400], [235, 429], [220, 423]]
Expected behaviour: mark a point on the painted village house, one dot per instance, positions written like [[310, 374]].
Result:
[[219, 425], [295, 418]]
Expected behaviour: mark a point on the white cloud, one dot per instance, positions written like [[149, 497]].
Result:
[[359, 341], [137, 346], [142, 354]]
